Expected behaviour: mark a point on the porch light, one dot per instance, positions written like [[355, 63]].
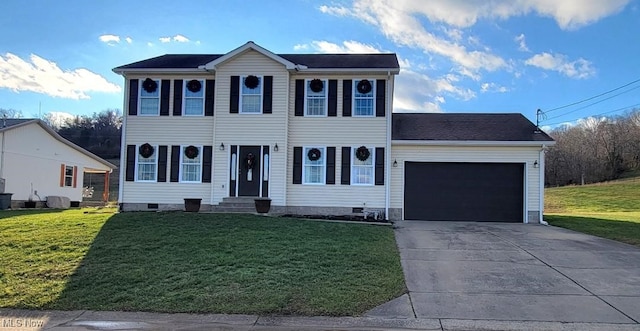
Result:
[[221, 146], [275, 148], [535, 163], [395, 163]]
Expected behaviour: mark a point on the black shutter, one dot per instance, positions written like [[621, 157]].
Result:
[[345, 172], [207, 155], [175, 164], [265, 183], [297, 165], [331, 165], [333, 98], [209, 97], [177, 97], [133, 97], [165, 87], [379, 177], [268, 95], [232, 182], [235, 94], [346, 98], [131, 163], [162, 164], [299, 104], [380, 97]]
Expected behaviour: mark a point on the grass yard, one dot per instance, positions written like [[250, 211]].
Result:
[[610, 210], [182, 262]]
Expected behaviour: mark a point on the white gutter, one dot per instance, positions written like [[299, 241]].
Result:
[[387, 158], [123, 142], [471, 143], [541, 169]]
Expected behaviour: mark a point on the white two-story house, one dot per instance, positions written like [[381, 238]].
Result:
[[315, 133]]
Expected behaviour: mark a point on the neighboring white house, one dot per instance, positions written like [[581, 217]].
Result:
[[36, 162], [314, 133]]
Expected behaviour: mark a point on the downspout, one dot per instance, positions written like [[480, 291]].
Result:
[[387, 171], [541, 169], [123, 143]]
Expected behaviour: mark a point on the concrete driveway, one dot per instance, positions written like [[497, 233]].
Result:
[[514, 272]]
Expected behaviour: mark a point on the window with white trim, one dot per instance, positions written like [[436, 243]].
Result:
[[68, 176], [316, 97], [193, 97], [147, 164], [364, 97], [251, 95], [150, 99], [191, 164], [313, 165], [362, 165]]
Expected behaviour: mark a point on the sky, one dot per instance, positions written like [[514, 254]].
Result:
[[455, 55]]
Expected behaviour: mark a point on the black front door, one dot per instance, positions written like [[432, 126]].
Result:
[[249, 171]]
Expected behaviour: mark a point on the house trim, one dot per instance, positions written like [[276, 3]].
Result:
[[213, 65], [471, 143]]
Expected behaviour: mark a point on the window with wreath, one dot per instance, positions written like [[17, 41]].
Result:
[[150, 97], [313, 165], [316, 97], [191, 164], [251, 94], [146, 163], [194, 97], [364, 97], [362, 165]]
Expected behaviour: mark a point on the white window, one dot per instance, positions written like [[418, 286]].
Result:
[[316, 97], [147, 163], [193, 98], [191, 164], [150, 97], [362, 165], [313, 165], [68, 176], [251, 94], [364, 97]]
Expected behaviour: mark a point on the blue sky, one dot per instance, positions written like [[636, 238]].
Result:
[[456, 55]]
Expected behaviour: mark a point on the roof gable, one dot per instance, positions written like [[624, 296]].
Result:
[[244, 48], [466, 127]]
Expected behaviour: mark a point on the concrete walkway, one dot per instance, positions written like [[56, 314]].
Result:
[[460, 276], [514, 272]]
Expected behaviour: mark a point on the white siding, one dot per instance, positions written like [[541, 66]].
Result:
[[528, 155], [251, 129], [33, 156], [336, 132]]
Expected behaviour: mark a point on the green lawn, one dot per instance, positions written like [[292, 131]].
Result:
[[610, 210], [181, 262]]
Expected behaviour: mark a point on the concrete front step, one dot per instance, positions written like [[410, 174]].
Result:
[[226, 209]]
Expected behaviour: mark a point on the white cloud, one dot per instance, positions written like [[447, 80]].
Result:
[[150, 44], [493, 87], [109, 39], [578, 69], [300, 47], [165, 39], [348, 46], [129, 40], [43, 76], [420, 93], [58, 119], [522, 43], [180, 38], [465, 13]]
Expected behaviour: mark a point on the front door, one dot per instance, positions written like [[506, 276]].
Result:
[[249, 171]]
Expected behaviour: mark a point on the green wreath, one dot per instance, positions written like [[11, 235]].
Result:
[[362, 153], [194, 85], [364, 86], [149, 85], [191, 152], [146, 150], [316, 85], [251, 81], [314, 154]]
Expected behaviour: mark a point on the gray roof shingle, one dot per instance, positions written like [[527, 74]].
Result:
[[465, 127], [313, 61]]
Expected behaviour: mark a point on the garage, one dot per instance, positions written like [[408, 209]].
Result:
[[459, 191]]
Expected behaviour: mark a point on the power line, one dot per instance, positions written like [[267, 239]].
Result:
[[605, 113], [595, 103], [593, 97]]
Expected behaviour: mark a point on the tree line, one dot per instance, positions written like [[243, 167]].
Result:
[[595, 150]]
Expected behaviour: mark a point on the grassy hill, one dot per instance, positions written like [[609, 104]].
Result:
[[610, 210]]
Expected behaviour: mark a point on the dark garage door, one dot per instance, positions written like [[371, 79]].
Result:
[[464, 191]]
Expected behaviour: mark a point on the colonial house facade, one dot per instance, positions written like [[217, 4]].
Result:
[[314, 133]]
